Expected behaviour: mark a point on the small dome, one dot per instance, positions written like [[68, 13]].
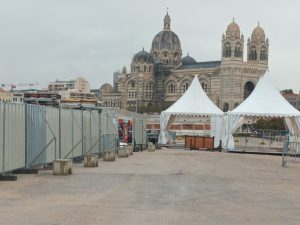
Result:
[[233, 30], [106, 88], [258, 34], [188, 60], [143, 57]]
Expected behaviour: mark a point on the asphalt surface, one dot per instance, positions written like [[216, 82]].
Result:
[[162, 187]]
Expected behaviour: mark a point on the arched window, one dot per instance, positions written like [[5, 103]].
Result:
[[171, 88], [185, 86], [263, 53], [238, 50], [204, 86], [150, 68], [145, 68], [253, 53], [248, 88], [227, 50], [132, 84], [225, 107]]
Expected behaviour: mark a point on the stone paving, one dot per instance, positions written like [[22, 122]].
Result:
[[158, 188]]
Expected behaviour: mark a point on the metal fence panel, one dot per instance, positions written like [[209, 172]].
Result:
[[1, 136], [95, 132], [109, 142], [66, 133], [78, 135], [140, 133], [87, 130], [52, 133], [35, 135], [13, 144]]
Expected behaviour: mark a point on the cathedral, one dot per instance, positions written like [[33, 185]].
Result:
[[159, 77]]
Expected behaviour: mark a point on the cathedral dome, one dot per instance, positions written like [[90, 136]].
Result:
[[233, 30], [166, 47], [188, 60], [166, 39], [258, 34], [143, 57]]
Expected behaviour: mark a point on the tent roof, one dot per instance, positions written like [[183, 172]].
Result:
[[194, 102], [265, 101]]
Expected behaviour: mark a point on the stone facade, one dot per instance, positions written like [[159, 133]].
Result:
[[159, 77]]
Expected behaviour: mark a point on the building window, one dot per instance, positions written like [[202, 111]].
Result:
[[185, 87], [225, 107], [171, 88], [227, 50], [204, 86]]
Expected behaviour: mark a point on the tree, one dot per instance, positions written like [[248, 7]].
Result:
[[270, 124], [287, 91]]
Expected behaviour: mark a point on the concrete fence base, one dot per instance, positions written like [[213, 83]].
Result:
[[109, 156], [130, 149], [62, 167], [151, 147], [91, 160], [123, 152]]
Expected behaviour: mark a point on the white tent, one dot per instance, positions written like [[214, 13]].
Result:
[[194, 102], [264, 101]]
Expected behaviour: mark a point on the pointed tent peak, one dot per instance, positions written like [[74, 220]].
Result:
[[194, 102], [261, 101]]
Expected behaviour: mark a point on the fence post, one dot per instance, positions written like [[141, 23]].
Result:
[[284, 153], [90, 145], [72, 113], [26, 136], [82, 137], [3, 143], [59, 133], [100, 141]]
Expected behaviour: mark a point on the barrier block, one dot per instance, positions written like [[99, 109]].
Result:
[[151, 147], [62, 167], [91, 160], [109, 156], [123, 152]]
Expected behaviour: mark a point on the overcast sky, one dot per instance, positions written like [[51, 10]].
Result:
[[44, 40]]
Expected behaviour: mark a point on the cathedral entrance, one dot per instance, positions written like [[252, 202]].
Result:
[[248, 88]]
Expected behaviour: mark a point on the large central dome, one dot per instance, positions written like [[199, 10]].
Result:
[[166, 46]]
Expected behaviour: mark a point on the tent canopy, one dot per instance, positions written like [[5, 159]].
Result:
[[265, 101], [194, 102]]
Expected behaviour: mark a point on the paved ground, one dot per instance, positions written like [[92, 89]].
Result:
[[162, 187]]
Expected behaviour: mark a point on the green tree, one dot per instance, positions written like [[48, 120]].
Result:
[[287, 91], [270, 124]]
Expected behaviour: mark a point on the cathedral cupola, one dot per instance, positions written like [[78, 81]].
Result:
[[167, 22], [166, 47], [258, 46], [232, 43]]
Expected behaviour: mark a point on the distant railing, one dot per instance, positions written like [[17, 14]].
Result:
[[290, 153]]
